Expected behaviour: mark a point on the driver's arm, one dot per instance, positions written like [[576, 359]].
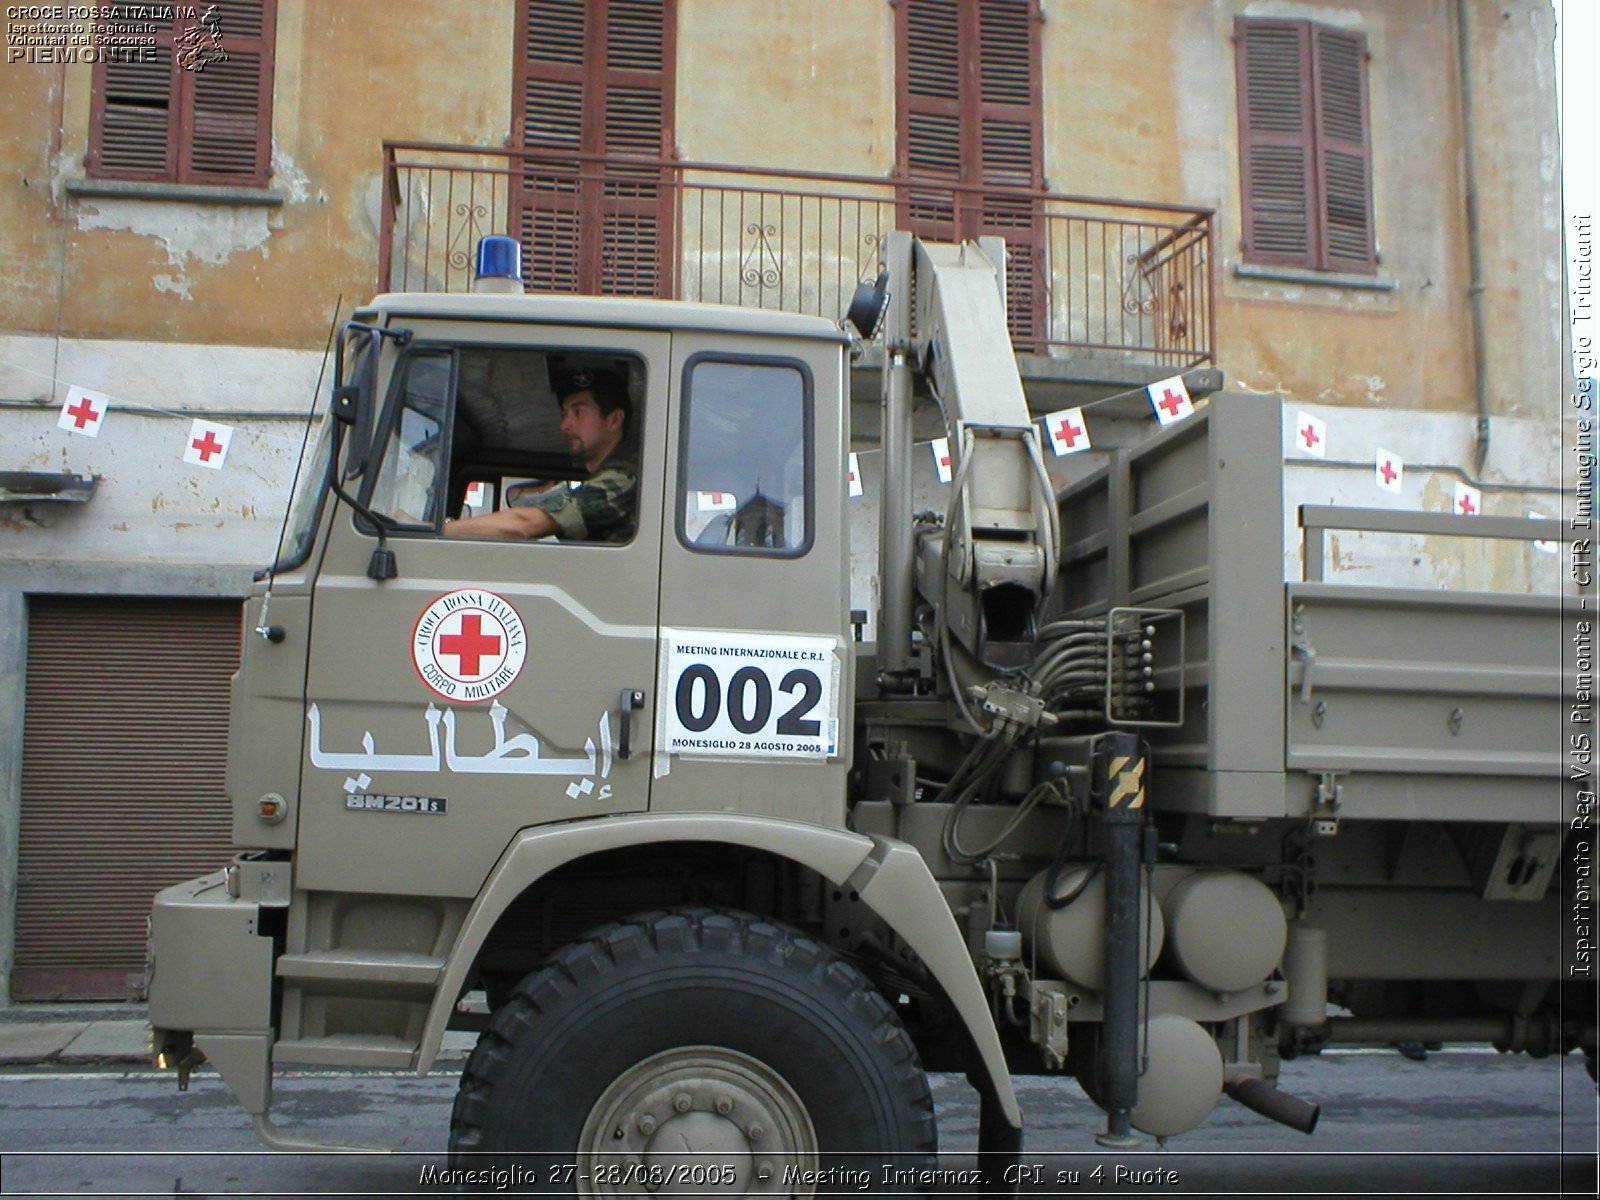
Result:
[[507, 523]]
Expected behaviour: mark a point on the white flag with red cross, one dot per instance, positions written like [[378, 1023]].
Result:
[[941, 458], [1069, 434], [1170, 399], [84, 412], [1310, 435], [1468, 501], [1389, 471], [854, 477], [717, 502], [208, 444]]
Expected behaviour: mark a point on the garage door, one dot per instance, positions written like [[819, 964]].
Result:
[[124, 746]]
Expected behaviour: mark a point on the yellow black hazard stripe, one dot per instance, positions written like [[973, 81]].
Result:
[[1127, 782]]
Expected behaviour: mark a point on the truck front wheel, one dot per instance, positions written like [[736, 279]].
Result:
[[696, 1051]]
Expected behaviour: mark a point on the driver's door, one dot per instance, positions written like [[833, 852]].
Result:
[[480, 690]]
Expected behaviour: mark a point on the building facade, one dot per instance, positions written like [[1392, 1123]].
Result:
[[1355, 207]]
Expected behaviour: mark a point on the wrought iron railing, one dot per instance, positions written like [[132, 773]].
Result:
[[1091, 278]]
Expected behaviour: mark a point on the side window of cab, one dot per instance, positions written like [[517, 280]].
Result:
[[512, 443], [745, 474]]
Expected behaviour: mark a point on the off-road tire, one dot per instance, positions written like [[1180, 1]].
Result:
[[734, 995]]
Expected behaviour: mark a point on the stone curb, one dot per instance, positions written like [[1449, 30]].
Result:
[[28, 1041]]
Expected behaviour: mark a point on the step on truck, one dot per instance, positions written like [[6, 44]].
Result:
[[1102, 796]]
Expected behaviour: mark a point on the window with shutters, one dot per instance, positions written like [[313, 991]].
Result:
[[1305, 156], [198, 108], [969, 115], [594, 78]]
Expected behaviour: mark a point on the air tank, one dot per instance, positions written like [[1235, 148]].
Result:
[[1225, 930], [1069, 942]]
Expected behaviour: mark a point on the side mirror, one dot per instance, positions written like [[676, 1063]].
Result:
[[352, 407]]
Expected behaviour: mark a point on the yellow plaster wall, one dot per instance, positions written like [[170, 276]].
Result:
[[1335, 345], [1412, 347], [1108, 99], [426, 70], [1139, 102], [1519, 203], [30, 231], [802, 85]]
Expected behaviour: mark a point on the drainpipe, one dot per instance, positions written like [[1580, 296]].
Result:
[[1474, 247]]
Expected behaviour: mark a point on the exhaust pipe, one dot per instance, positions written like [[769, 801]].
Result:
[[1261, 1097]]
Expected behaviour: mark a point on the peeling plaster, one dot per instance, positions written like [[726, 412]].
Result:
[[62, 167], [1340, 558], [288, 176], [209, 234], [372, 204], [176, 285]]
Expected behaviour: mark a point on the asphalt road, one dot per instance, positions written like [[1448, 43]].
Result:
[[1464, 1122]]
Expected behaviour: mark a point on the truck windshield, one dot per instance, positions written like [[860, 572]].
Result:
[[301, 528], [315, 475]]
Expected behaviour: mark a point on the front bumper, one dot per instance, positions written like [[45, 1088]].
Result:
[[211, 981]]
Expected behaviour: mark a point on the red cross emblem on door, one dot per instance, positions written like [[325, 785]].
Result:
[[469, 645]]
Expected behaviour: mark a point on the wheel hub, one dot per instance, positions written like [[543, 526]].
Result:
[[698, 1120]]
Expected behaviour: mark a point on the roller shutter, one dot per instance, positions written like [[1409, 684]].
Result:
[[124, 746]]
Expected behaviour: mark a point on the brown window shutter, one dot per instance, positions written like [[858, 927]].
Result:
[[1277, 173], [930, 111], [133, 119], [1344, 203], [168, 122], [635, 88], [227, 104], [548, 114], [1008, 118], [1010, 132], [549, 97], [594, 77], [969, 113]]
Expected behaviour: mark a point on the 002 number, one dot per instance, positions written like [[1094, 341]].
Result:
[[699, 700]]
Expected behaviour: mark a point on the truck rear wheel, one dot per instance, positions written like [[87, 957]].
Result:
[[695, 1050]]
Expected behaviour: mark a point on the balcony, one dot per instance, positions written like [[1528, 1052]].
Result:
[[1103, 294]]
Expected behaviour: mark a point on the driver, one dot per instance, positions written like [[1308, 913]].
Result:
[[594, 417]]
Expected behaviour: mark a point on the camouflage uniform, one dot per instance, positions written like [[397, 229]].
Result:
[[601, 509]]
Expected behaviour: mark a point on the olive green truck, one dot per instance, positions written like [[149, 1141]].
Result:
[[711, 869]]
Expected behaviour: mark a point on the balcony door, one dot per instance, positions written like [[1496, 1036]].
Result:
[[594, 81], [970, 136]]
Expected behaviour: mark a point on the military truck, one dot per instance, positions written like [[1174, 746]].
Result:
[[1102, 797]]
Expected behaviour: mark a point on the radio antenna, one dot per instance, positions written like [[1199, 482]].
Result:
[[264, 629]]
